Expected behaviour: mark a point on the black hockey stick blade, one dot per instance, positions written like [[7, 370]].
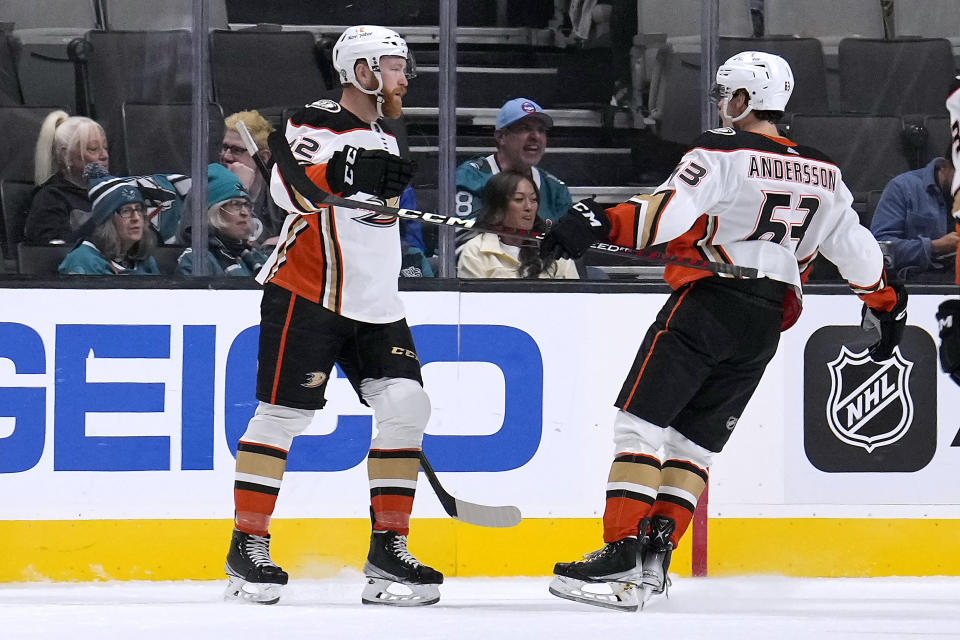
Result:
[[480, 515], [295, 178]]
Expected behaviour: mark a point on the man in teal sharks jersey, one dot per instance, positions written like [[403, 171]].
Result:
[[521, 139]]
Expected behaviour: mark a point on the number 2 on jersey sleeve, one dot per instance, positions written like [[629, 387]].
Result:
[[779, 216]]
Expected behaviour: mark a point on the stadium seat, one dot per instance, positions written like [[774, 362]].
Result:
[[44, 30], [47, 66], [136, 66], [827, 20], [939, 136], [20, 126], [920, 70], [43, 14], [166, 256], [42, 260], [674, 27], [928, 19], [157, 137], [676, 96], [472, 13], [15, 198], [489, 86], [681, 18], [150, 15], [257, 69], [868, 149], [873, 198], [10, 93], [805, 56]]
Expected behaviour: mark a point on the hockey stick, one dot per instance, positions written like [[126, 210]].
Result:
[[469, 512], [478, 514], [295, 177], [253, 150]]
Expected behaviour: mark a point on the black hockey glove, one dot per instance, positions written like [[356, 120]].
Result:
[[584, 223], [889, 324], [948, 317], [352, 170]]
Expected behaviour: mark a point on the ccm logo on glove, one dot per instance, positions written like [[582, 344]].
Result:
[[352, 170]]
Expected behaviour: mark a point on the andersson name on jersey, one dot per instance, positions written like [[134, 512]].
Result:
[[769, 168]]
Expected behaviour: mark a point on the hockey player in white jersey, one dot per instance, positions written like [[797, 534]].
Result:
[[948, 315], [742, 195], [330, 296]]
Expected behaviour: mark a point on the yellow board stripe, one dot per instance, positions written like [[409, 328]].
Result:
[[318, 548]]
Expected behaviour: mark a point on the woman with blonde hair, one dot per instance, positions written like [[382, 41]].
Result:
[[511, 200], [65, 145]]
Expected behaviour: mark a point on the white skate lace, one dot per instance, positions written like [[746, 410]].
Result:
[[400, 548], [602, 551], [258, 550]]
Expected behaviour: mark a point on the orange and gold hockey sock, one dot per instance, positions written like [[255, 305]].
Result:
[[631, 490], [259, 472], [680, 488], [393, 482]]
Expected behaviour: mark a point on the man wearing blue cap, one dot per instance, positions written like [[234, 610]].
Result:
[[521, 139]]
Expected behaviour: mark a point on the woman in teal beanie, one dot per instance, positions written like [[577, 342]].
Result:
[[230, 251], [115, 239]]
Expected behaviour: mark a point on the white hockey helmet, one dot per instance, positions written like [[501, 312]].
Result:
[[767, 79], [369, 43]]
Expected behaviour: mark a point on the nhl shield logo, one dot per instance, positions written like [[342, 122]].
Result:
[[869, 405]]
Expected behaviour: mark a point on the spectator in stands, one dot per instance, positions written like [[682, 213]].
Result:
[[119, 242], [913, 222], [65, 145], [521, 140], [511, 200], [230, 251], [267, 217], [413, 248]]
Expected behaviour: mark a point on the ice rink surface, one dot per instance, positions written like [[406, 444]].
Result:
[[775, 608]]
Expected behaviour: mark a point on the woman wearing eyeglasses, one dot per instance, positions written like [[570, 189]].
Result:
[[116, 240], [230, 250]]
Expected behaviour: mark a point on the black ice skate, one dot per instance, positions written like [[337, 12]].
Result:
[[608, 577], [252, 576], [657, 549], [395, 577]]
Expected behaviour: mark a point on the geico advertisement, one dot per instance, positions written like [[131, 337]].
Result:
[[129, 404]]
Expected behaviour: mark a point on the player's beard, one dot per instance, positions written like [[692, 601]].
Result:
[[393, 103]]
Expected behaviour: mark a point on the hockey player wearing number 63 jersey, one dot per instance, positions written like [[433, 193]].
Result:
[[948, 315], [742, 195], [330, 297]]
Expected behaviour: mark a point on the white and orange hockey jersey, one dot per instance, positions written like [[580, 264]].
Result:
[[953, 106], [756, 201], [345, 259]]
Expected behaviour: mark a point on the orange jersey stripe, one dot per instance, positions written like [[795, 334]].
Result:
[[685, 247], [654, 345], [318, 175], [283, 344]]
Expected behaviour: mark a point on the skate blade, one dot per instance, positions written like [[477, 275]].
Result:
[[239, 590], [649, 592], [399, 594], [619, 596]]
